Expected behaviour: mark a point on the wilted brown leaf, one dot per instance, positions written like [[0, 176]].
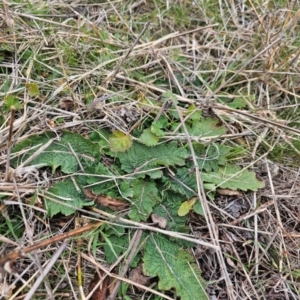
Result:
[[228, 192], [114, 204], [101, 292], [138, 276], [66, 103], [160, 221]]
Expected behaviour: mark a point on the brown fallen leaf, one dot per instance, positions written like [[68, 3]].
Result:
[[101, 292], [66, 103], [160, 221], [138, 276], [229, 261], [114, 204], [228, 192]]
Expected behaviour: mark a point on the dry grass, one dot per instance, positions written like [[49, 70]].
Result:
[[239, 62]]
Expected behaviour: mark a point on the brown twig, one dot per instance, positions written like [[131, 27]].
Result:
[[12, 256]]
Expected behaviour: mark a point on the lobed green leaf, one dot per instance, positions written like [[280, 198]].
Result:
[[175, 267]]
